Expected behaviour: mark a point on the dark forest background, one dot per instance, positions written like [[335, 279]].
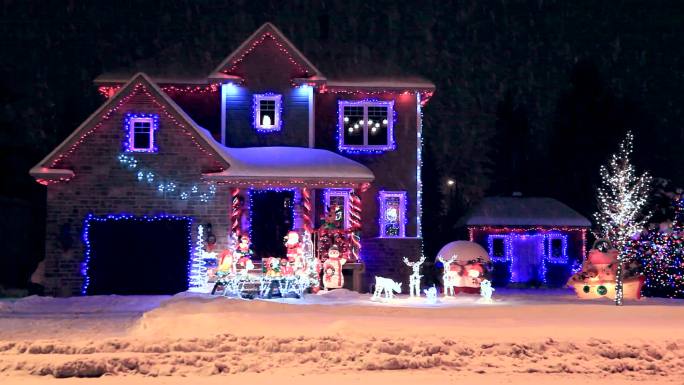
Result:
[[532, 96]]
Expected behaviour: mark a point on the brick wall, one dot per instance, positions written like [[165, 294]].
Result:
[[102, 186], [383, 257]]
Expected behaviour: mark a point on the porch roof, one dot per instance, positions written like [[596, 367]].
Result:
[[289, 166]]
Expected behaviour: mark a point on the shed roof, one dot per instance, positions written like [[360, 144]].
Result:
[[524, 211]]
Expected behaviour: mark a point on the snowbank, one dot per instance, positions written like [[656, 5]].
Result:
[[342, 337]]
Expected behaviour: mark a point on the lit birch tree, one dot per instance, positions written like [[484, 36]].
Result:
[[622, 198]]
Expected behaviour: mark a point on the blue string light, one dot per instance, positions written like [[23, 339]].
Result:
[[544, 245], [129, 123], [90, 218]]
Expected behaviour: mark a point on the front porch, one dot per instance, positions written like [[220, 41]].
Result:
[[275, 191]]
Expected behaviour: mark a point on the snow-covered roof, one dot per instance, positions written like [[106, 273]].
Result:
[[276, 165], [387, 83], [286, 163], [524, 211]]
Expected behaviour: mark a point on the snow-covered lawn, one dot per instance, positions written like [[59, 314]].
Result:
[[341, 337]]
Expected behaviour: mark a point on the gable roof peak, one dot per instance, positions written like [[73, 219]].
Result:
[[256, 38]]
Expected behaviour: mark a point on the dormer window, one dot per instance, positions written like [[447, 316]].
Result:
[[267, 111], [140, 132], [365, 126]]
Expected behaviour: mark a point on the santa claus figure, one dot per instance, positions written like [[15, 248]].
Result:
[[332, 269], [243, 254], [293, 246]]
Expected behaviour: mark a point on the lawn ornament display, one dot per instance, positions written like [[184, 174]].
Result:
[[293, 246], [431, 295], [471, 266], [332, 269], [597, 277], [486, 291], [386, 285], [450, 277], [414, 278]]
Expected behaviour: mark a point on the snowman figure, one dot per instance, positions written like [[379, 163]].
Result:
[[486, 291], [332, 269]]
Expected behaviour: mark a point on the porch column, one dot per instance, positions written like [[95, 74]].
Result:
[[307, 208], [355, 221], [235, 212]]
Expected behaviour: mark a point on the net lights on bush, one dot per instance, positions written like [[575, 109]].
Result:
[[622, 199], [91, 218], [170, 188]]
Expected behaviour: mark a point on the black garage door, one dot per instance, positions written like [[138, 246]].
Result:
[[138, 256]]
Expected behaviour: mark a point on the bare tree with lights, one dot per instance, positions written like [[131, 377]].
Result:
[[622, 198]]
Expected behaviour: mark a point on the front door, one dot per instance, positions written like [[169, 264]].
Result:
[[271, 219], [528, 255]]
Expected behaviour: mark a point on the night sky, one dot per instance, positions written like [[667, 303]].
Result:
[[531, 96]]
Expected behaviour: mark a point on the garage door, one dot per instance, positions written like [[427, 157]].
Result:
[[137, 255]]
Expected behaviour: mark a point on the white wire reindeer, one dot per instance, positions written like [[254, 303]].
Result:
[[388, 286], [414, 278], [449, 277]]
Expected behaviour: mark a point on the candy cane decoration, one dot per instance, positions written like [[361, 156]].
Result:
[[235, 211], [355, 224], [306, 210], [355, 211]]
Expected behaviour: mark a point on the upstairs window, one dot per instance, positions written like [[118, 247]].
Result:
[[267, 111], [337, 205], [392, 214], [365, 126], [140, 132]]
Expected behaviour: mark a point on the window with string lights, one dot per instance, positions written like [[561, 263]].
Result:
[[267, 112], [337, 203], [366, 126], [140, 132], [392, 214]]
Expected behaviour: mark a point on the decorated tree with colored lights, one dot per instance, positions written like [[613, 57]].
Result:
[[660, 249], [622, 198]]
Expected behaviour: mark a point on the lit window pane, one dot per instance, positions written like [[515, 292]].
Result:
[[353, 125], [377, 126], [142, 132]]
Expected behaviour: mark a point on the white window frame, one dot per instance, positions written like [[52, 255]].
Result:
[[277, 124], [337, 192], [382, 196], [131, 134], [365, 104]]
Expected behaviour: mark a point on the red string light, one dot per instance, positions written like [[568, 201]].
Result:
[[256, 43], [138, 89]]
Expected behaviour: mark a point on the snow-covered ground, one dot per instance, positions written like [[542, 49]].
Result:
[[341, 337]]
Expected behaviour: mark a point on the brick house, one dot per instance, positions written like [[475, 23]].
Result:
[[262, 144]]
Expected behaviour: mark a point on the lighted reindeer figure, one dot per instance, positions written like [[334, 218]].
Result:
[[449, 277], [414, 278], [386, 285]]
